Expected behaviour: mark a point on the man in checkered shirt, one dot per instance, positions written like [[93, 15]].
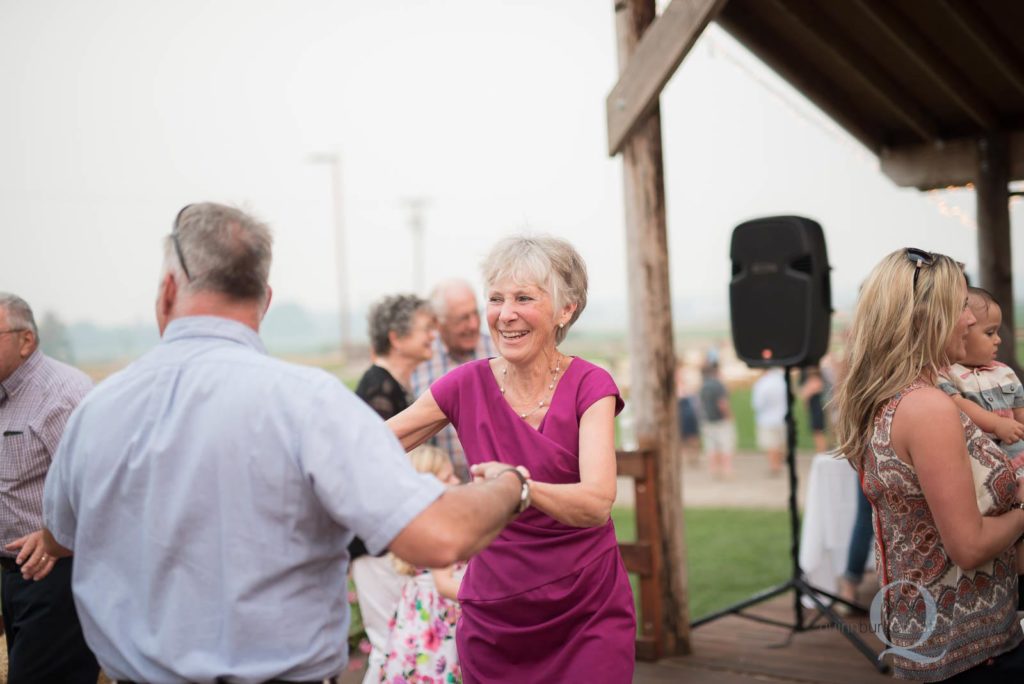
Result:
[[37, 395], [458, 318]]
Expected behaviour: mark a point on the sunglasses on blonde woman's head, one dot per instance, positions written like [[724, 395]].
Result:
[[181, 255], [920, 259]]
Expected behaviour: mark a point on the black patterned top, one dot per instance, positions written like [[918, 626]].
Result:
[[387, 397], [382, 392]]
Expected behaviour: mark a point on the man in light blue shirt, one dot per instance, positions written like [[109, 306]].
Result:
[[209, 491]]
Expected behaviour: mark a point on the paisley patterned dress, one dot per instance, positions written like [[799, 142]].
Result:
[[941, 619]]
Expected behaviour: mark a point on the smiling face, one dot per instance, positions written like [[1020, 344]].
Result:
[[460, 328], [522, 320], [418, 343], [956, 348], [16, 345], [983, 337]]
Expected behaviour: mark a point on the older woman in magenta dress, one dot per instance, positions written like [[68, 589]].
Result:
[[549, 600]]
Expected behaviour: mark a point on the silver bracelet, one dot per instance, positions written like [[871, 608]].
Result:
[[524, 492]]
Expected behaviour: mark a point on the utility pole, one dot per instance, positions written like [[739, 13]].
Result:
[[334, 160], [416, 205]]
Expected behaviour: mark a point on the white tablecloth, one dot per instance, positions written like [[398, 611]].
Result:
[[830, 509]]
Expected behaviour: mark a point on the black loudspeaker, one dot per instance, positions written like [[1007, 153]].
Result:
[[779, 296]]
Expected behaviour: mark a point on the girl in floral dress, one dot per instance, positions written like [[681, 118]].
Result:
[[421, 641]]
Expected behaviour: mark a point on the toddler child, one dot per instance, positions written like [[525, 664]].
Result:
[[989, 392], [421, 641]]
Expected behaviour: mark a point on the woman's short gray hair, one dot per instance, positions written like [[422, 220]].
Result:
[[225, 250], [550, 263], [393, 313]]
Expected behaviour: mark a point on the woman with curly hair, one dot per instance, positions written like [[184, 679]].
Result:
[[402, 330]]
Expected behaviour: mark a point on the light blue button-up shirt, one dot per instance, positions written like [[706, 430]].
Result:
[[209, 493]]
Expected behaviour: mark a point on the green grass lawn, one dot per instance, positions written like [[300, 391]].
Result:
[[731, 553]]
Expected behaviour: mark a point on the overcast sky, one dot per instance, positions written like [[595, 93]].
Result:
[[118, 112]]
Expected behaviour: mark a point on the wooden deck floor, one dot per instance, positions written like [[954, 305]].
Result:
[[734, 650]]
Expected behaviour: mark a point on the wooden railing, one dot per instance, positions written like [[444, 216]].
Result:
[[643, 557]]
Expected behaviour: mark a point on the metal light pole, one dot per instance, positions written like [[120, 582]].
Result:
[[416, 205], [334, 159]]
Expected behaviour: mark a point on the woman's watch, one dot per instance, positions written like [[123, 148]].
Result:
[[524, 492], [1019, 505]]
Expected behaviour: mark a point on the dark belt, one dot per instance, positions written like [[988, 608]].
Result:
[[8, 563]]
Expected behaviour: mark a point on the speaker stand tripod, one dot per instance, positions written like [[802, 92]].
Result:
[[797, 582]]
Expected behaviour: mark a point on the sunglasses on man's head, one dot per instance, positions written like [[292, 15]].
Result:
[[177, 245]]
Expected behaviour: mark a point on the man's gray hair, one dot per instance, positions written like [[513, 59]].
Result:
[[224, 250], [19, 313], [393, 313], [439, 295]]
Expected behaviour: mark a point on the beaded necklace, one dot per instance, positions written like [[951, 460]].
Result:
[[542, 402]]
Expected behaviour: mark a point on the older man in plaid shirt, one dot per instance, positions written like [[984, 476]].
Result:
[[458, 318], [37, 395]]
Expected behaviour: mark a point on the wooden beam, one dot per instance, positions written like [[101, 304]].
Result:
[[943, 74], [940, 165], [858, 63], [657, 56], [1003, 57], [995, 263], [652, 348], [632, 464], [814, 86], [637, 557], [644, 557]]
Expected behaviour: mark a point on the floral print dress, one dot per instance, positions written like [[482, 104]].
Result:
[[421, 641]]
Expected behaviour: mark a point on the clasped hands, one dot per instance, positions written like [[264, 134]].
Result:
[[488, 470]]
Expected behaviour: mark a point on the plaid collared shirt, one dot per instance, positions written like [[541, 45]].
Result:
[[995, 388], [35, 403], [424, 376]]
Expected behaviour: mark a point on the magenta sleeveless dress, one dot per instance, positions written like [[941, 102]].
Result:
[[545, 602]]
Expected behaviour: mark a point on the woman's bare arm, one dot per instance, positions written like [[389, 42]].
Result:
[[587, 503], [418, 423], [927, 433]]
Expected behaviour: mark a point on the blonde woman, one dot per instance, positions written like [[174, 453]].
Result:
[[947, 509], [549, 600]]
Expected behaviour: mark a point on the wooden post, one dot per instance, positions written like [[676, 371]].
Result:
[[994, 255], [651, 345]]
